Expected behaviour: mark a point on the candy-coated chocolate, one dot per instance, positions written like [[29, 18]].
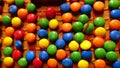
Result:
[[85, 45], [75, 6], [113, 4], [9, 31], [100, 63], [60, 54], [79, 37], [43, 43], [18, 34], [19, 2], [13, 9], [53, 35], [90, 2], [42, 33], [111, 56], [67, 17], [75, 56], [100, 53], [109, 45], [65, 7], [67, 62], [31, 18], [60, 43], [51, 49], [53, 23], [43, 56], [50, 13], [31, 7], [86, 9], [99, 21], [18, 44], [43, 22], [31, 27], [87, 55], [66, 27], [100, 31], [77, 26], [22, 13], [16, 54], [88, 28], [8, 61], [7, 41], [115, 14], [114, 35], [30, 55], [6, 20], [83, 64], [16, 22], [52, 63], [116, 64], [22, 62], [100, 43], [7, 51], [37, 63], [30, 37], [73, 45], [83, 18], [99, 6], [67, 36], [114, 24]]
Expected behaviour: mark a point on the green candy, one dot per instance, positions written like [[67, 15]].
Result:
[[111, 56], [100, 53], [75, 56], [51, 50], [7, 51], [22, 62], [99, 22], [89, 29], [53, 36], [90, 2], [6, 20], [79, 37], [77, 26], [19, 2], [83, 18], [43, 22], [109, 46], [31, 7], [113, 4]]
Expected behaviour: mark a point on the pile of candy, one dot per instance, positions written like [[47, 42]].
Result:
[[83, 39]]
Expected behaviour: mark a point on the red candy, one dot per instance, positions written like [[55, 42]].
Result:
[[16, 54], [31, 18], [18, 35], [50, 12], [37, 63]]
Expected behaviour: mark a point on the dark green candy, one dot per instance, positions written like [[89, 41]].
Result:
[[109, 46], [89, 29], [111, 56], [19, 2], [77, 26], [90, 2], [22, 62], [51, 50], [79, 37], [6, 20], [113, 4], [83, 18], [31, 7], [75, 56], [7, 51], [100, 53], [53, 36], [99, 22], [43, 22]]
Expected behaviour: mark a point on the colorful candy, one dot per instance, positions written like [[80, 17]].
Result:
[[22, 62], [18, 44], [37, 63], [9, 31], [30, 55], [98, 44], [87, 55], [79, 37], [75, 6], [31, 27], [85, 45], [116, 64], [115, 14], [65, 7], [60, 54], [88, 28], [100, 53], [43, 55], [52, 63], [83, 64], [30, 37], [53, 23], [111, 56], [66, 27], [109, 45], [8, 61], [99, 63], [18, 34], [83, 18], [73, 46], [86, 9], [16, 22], [90, 2], [100, 31], [42, 33], [114, 35], [99, 21], [19, 2], [67, 17], [22, 13], [13, 9], [98, 6], [31, 7], [43, 43], [75, 56], [7, 41], [31, 18], [7, 51], [16, 54], [114, 24], [6, 20], [67, 63], [77, 26], [53, 35], [68, 36], [60, 43], [113, 4], [51, 49], [50, 13], [43, 22]]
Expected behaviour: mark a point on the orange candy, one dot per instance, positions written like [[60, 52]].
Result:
[[22, 13], [66, 27], [67, 17], [52, 63], [75, 6], [98, 42], [114, 24], [99, 6], [31, 27], [30, 37], [9, 31], [99, 63], [60, 54]]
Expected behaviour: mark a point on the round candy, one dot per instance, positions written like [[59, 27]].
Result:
[[99, 21], [19, 2], [51, 50], [30, 37], [53, 23], [73, 46], [31, 7], [30, 55], [99, 63], [83, 18], [16, 54], [65, 7], [98, 6], [22, 13], [85, 45], [75, 6], [88, 28], [67, 17], [9, 1], [87, 55], [53, 35], [37, 63], [43, 43], [31, 27], [52, 63], [115, 14], [13, 9], [67, 63], [60, 54], [9, 31], [60, 43], [8, 61], [83, 64], [31, 18], [116, 64], [6, 20], [100, 53], [18, 44], [50, 13], [114, 35], [86, 9], [67, 37], [96, 43], [16, 22], [22, 62], [66, 27], [113, 4], [79, 37], [114, 24], [90, 2], [75, 56], [111, 56], [109, 46], [7, 41], [43, 55], [18, 34], [42, 33], [77, 26], [100, 31], [43, 22], [7, 51]]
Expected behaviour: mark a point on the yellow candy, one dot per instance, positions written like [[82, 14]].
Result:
[[8, 61], [73, 46], [100, 31], [43, 43], [7, 41], [16, 22], [83, 64], [85, 45], [9, 1], [53, 24]]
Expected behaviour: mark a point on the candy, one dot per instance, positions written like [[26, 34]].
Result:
[[113, 4], [116, 64], [43, 43], [65, 7], [67, 63], [19, 2], [31, 27], [7, 51], [18, 34], [13, 9], [77, 26], [88, 28], [73, 46], [100, 43], [66, 27], [52, 63], [16, 22], [79, 37], [31, 7], [37, 63], [75, 6], [7, 41], [111, 56], [30, 55], [9, 1], [22, 13], [6, 20], [90, 2], [83, 18], [86, 9], [43, 55], [75, 56], [109, 46], [67, 17], [31, 18], [53, 23], [22, 62], [67, 36], [53, 35], [115, 14], [85, 45], [9, 31], [114, 35], [99, 21], [100, 53], [87, 55], [114, 24], [60, 43], [50, 13], [43, 22], [60, 54], [18, 44], [8, 61], [30, 37], [16, 54], [42, 33], [51, 50], [83, 64], [100, 31], [98, 6], [100, 63]]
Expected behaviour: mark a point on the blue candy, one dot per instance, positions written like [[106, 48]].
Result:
[[116, 64], [43, 55], [18, 44], [30, 55], [86, 9], [115, 14], [67, 36], [13, 9], [86, 55], [65, 7], [60, 43], [114, 35], [42, 33], [67, 63]]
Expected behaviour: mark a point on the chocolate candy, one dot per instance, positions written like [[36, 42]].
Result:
[[19, 2], [22, 62], [99, 21], [50, 13], [51, 49], [75, 56], [13, 9], [16, 54], [67, 63], [111, 56], [53, 35], [79, 37], [31, 7], [30, 55], [114, 35], [115, 14], [100, 53], [43, 22], [42, 33], [87, 55], [77, 26], [60, 43], [109, 46], [113, 4], [86, 9], [65, 7], [7, 51], [31, 18], [6, 20], [68, 36], [43, 55], [83, 18]]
